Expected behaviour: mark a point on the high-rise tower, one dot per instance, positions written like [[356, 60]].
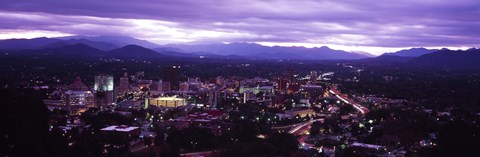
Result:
[[103, 88]]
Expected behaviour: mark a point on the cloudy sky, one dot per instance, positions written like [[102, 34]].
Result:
[[374, 26]]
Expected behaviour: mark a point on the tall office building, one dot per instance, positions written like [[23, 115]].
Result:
[[103, 83], [160, 87], [313, 76], [103, 89], [212, 98], [282, 84], [124, 85], [173, 75]]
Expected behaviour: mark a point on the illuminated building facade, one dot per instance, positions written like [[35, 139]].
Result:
[[167, 101], [103, 89], [77, 98], [103, 83], [265, 89]]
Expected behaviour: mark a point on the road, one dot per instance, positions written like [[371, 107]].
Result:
[[345, 99], [300, 130], [296, 130], [195, 154], [137, 147]]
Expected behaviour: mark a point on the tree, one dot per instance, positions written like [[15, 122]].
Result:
[[285, 143], [458, 139], [24, 125], [315, 129]]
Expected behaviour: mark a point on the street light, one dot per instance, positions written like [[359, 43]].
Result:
[[193, 144]]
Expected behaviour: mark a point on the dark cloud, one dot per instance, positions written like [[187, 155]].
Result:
[[372, 23]]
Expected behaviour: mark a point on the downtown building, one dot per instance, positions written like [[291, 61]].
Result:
[[77, 98], [160, 87], [124, 85], [103, 90], [169, 102]]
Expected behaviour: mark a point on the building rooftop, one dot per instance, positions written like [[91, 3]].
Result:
[[169, 99], [311, 86], [78, 85], [121, 128]]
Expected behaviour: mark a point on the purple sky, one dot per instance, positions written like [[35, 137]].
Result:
[[353, 25]]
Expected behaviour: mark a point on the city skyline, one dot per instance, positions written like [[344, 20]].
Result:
[[346, 25]]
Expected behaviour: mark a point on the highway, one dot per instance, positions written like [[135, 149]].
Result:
[[300, 130], [297, 130], [345, 99]]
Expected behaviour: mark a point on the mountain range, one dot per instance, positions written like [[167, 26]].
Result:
[[450, 59], [119, 41], [265, 52], [81, 50], [127, 47], [241, 50], [413, 52]]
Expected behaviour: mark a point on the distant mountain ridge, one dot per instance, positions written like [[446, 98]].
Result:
[[413, 52], [240, 50], [102, 46], [133, 51], [450, 59], [74, 50], [70, 51], [95, 44], [18, 44], [443, 59], [265, 52], [42, 43], [120, 41], [86, 51]]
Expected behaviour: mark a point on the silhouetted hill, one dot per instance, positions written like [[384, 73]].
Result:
[[18, 44], [69, 51], [74, 51], [365, 54], [387, 58], [383, 61], [221, 49], [116, 40], [55, 45], [413, 52], [450, 59], [134, 51], [105, 46], [45, 43], [233, 50], [265, 52]]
